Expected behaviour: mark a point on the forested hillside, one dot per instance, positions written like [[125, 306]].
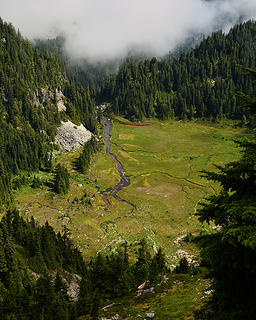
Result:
[[200, 83], [88, 73], [30, 82], [38, 266]]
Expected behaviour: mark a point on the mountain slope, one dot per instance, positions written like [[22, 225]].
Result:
[[32, 84], [200, 83]]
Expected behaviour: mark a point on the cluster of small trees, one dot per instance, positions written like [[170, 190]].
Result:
[[83, 161], [61, 180], [25, 246], [115, 276]]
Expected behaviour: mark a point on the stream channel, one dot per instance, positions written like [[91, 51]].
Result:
[[124, 180]]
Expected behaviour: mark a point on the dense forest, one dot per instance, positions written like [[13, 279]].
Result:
[[199, 83], [36, 263], [29, 82]]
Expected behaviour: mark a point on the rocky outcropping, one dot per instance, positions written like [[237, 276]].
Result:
[[71, 137], [60, 103]]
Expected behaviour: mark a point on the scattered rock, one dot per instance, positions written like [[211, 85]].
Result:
[[35, 275], [73, 287], [109, 306], [72, 282], [191, 258], [216, 228], [150, 290], [115, 317], [150, 314], [163, 281], [177, 242], [208, 292], [71, 137]]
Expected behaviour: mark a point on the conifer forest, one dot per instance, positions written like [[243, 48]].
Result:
[[147, 207]]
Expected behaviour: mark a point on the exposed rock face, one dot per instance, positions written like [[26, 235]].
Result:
[[71, 137], [73, 287], [44, 94], [60, 104]]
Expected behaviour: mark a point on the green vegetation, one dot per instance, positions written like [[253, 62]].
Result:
[[27, 247], [200, 83], [84, 159], [61, 180], [29, 84], [175, 299], [230, 253], [164, 160], [34, 261], [158, 159]]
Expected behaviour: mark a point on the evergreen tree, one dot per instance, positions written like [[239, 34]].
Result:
[[83, 161], [231, 252], [61, 180]]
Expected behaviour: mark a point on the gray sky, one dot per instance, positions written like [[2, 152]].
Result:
[[102, 29]]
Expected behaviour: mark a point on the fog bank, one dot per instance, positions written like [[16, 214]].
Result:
[[106, 29]]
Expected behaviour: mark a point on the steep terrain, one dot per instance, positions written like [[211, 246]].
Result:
[[32, 105]]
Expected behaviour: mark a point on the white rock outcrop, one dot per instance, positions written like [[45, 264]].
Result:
[[71, 137]]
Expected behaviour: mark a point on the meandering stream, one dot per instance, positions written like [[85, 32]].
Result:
[[124, 180]]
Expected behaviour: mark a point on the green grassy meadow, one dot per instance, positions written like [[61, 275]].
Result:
[[163, 161]]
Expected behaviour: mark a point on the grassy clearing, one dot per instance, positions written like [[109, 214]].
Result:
[[157, 158]]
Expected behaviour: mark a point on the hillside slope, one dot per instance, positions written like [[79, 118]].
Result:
[[35, 95], [200, 83]]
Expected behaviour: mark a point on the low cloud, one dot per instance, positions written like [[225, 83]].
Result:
[[106, 29]]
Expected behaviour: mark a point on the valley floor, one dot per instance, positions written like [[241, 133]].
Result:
[[163, 161]]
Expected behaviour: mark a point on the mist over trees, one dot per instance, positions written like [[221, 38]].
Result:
[[29, 79], [198, 84]]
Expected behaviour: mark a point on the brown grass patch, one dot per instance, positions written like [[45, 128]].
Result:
[[123, 136], [127, 156]]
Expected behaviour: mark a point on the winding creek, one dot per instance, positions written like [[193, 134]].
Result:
[[123, 183], [124, 180]]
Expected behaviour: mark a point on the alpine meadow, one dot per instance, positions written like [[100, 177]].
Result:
[[128, 161]]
